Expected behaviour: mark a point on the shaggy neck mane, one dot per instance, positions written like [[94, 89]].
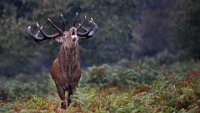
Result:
[[68, 58]]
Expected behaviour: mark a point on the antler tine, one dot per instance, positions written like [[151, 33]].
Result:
[[36, 36], [85, 29], [89, 32], [74, 24], [45, 35], [56, 27], [63, 22], [38, 32], [80, 25]]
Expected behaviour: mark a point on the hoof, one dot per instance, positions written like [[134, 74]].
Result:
[[63, 105]]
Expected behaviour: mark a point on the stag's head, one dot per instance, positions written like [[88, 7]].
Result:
[[68, 38]]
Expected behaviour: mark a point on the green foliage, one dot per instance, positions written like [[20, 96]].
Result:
[[175, 88], [106, 75], [23, 87]]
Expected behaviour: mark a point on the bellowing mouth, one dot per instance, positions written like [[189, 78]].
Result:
[[73, 32], [74, 38]]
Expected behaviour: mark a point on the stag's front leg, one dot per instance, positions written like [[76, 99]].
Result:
[[61, 93], [70, 92]]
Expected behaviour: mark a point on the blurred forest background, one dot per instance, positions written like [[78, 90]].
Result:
[[168, 30]]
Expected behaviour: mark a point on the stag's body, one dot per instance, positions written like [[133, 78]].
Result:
[[65, 69]]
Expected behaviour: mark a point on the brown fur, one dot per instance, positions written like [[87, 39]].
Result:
[[66, 71], [69, 66]]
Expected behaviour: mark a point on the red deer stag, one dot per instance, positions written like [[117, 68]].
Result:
[[65, 69]]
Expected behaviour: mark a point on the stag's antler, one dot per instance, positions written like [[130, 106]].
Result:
[[63, 22], [45, 36], [88, 32], [37, 38]]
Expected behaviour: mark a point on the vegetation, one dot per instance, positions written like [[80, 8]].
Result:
[[144, 88]]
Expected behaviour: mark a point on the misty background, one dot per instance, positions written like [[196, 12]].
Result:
[[128, 30]]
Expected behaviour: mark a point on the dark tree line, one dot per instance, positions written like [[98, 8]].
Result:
[[168, 25], [189, 30], [127, 30]]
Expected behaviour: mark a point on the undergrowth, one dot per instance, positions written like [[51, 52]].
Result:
[[140, 88]]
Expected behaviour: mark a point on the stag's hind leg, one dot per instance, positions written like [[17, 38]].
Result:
[[61, 93]]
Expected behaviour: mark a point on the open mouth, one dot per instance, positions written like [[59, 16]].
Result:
[[73, 39], [73, 32]]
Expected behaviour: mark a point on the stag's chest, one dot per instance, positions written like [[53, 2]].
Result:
[[69, 60]]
